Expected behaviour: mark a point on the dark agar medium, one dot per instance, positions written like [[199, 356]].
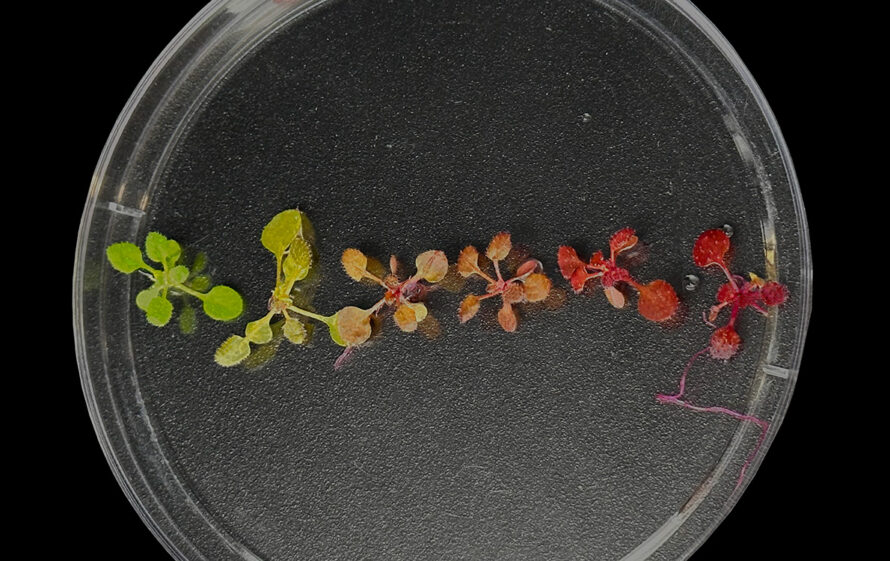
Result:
[[401, 127]]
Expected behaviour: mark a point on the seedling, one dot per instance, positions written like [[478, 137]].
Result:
[[405, 296], [528, 283], [657, 300], [172, 279], [711, 249]]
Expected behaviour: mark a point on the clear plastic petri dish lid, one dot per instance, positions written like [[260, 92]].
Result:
[[399, 128]]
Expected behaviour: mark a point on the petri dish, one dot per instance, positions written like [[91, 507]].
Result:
[[403, 127]]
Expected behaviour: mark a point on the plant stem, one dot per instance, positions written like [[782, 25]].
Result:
[[324, 319]]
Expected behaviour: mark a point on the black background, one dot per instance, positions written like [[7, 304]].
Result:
[[784, 513]]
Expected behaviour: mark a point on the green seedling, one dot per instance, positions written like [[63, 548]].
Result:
[[172, 279]]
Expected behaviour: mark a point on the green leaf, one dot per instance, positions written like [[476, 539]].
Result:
[[294, 330], [232, 351], [223, 303], [199, 263], [178, 274], [144, 298], [200, 283], [188, 320], [335, 334], [259, 331], [162, 250], [281, 231], [159, 311], [125, 257], [298, 261]]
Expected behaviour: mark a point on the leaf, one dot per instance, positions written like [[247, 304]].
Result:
[[420, 311], [529, 267], [259, 331], [125, 257], [188, 321], [335, 334], [393, 265], [569, 262], [178, 274], [144, 298], [280, 231], [223, 303], [499, 247], [353, 325], [614, 296], [294, 330], [710, 248], [232, 351], [199, 263], [159, 311], [354, 263], [658, 301], [507, 318], [580, 278], [514, 293], [405, 318], [468, 308], [774, 293], [432, 266], [298, 261], [622, 240], [725, 343], [596, 260], [468, 261], [162, 250], [200, 283], [537, 287]]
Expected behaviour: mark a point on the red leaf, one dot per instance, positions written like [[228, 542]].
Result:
[[726, 293], [622, 240], [658, 301], [529, 267], [596, 260], [578, 279], [774, 293], [725, 343], [569, 262], [711, 248]]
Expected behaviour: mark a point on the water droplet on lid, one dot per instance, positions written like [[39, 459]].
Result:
[[728, 229], [586, 118], [690, 282]]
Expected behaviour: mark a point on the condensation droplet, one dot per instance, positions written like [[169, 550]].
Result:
[[690, 282], [586, 118], [728, 229]]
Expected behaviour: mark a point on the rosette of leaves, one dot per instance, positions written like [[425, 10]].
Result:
[[287, 237], [172, 279], [404, 296], [528, 283]]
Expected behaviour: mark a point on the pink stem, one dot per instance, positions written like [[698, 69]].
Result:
[[661, 397], [764, 426]]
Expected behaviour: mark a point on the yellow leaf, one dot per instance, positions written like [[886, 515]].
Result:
[[499, 247], [432, 266], [354, 263], [537, 287]]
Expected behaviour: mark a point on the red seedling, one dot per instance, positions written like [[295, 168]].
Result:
[[528, 284], [657, 301], [711, 249]]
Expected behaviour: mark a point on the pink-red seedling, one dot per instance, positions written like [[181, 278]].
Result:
[[528, 284], [657, 299], [711, 249]]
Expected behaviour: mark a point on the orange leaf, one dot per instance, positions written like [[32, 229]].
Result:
[[711, 248], [622, 240], [405, 318], [529, 267], [354, 263], [725, 342], [658, 301], [507, 318], [468, 261], [468, 308], [537, 287], [569, 262], [499, 247], [614, 296], [354, 325], [432, 266], [514, 293]]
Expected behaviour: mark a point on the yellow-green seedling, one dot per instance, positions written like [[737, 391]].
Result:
[[172, 279]]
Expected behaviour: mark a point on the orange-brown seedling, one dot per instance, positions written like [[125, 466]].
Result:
[[657, 301], [528, 284], [406, 296]]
